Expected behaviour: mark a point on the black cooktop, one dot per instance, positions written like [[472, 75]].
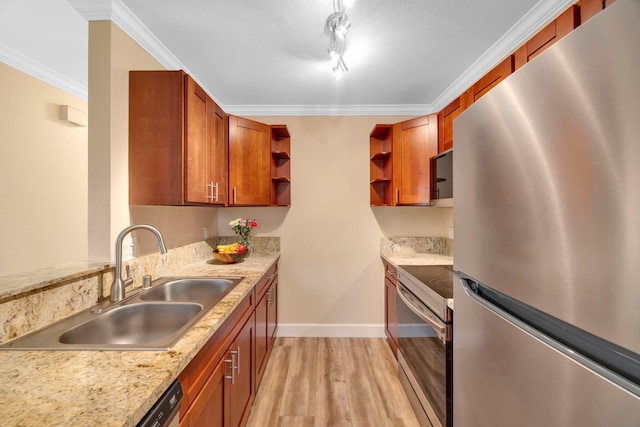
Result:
[[437, 277]]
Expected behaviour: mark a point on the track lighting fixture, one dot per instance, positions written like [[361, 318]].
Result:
[[336, 28]]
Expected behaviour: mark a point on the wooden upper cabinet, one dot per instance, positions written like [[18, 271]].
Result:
[[590, 8], [558, 28], [488, 82], [177, 149], [249, 162], [414, 143], [445, 122]]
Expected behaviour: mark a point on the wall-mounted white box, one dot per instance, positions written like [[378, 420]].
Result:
[[73, 116]]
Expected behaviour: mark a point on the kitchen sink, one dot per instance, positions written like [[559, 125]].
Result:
[[133, 324], [190, 289], [150, 319]]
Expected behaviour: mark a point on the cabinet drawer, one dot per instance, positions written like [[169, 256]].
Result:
[[391, 272], [265, 281]]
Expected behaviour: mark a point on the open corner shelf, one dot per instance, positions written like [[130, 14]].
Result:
[[280, 166], [380, 161]]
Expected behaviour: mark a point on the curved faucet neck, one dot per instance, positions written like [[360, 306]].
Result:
[[117, 288]]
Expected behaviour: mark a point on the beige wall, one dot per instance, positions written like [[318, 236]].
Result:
[[43, 176], [112, 54], [330, 269]]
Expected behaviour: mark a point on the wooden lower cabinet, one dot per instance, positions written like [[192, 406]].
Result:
[[208, 407], [391, 306], [219, 384], [238, 387], [226, 397], [266, 325]]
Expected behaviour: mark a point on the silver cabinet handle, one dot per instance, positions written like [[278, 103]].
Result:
[[210, 191], [238, 361], [234, 195], [397, 195], [231, 377], [216, 194]]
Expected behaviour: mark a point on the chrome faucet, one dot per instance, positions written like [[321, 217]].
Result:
[[117, 288]]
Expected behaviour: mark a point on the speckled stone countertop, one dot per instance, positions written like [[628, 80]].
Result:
[[112, 388], [416, 258], [33, 280]]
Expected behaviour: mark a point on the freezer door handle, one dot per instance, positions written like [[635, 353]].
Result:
[[470, 288]]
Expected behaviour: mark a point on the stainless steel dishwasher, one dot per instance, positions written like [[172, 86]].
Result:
[[165, 411]]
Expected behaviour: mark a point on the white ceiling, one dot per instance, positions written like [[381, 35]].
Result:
[[270, 57]]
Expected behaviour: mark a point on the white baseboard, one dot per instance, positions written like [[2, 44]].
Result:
[[330, 330]]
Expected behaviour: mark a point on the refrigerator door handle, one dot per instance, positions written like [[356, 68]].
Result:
[[567, 351], [406, 296]]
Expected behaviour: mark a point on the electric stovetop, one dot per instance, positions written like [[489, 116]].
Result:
[[432, 284]]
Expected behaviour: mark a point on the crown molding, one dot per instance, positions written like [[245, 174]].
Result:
[[330, 110], [538, 17], [116, 12], [542, 13], [42, 72]]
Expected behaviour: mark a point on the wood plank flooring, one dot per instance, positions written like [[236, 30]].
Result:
[[337, 382]]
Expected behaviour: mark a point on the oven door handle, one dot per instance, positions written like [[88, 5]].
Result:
[[407, 297]]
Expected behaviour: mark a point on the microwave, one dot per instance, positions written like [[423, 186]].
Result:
[[442, 179]]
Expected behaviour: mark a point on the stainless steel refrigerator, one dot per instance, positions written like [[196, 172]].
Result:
[[546, 327]]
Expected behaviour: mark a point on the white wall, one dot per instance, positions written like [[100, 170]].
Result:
[[330, 268], [43, 176]]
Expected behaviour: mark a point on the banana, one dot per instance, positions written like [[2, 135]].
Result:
[[226, 249]]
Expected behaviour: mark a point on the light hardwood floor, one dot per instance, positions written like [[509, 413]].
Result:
[[337, 382]]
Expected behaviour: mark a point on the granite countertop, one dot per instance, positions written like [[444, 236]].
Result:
[[416, 258], [112, 388]]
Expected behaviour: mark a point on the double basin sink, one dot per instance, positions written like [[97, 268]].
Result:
[[152, 319]]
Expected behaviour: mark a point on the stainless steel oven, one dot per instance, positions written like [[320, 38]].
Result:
[[425, 344]]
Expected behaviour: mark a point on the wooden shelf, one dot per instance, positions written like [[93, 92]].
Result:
[[380, 180], [280, 179], [381, 156], [280, 155], [279, 132], [381, 131]]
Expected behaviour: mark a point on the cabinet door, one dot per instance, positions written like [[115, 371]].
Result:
[[218, 157], [391, 314], [249, 162], [207, 410], [196, 144], [545, 38], [414, 143], [239, 390], [445, 121], [488, 81], [262, 336], [272, 311]]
